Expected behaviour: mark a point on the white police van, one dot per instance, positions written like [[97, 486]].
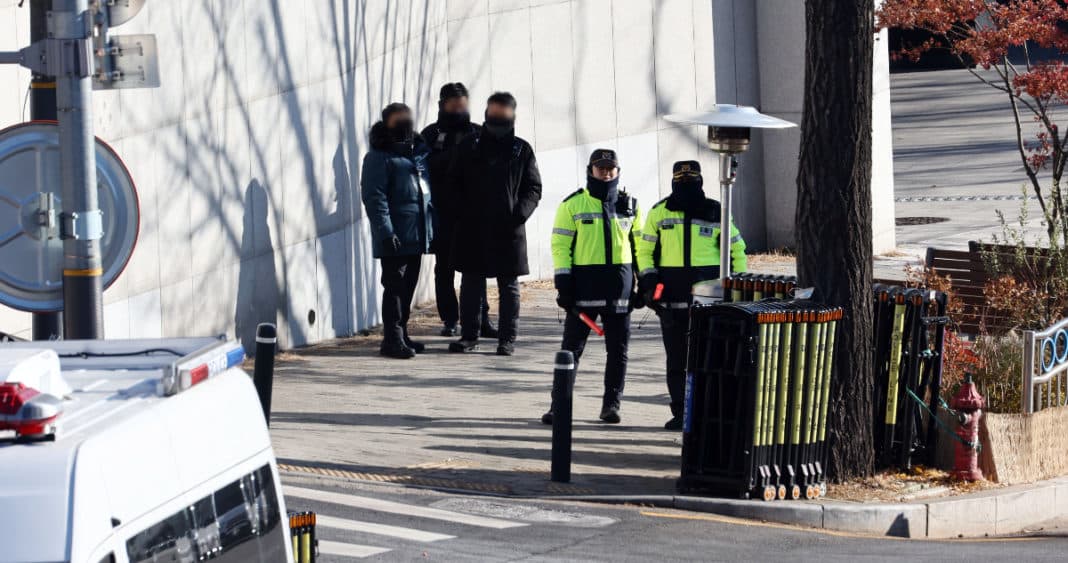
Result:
[[135, 450]]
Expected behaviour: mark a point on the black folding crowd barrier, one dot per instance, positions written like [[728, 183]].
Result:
[[302, 534], [754, 287], [759, 378], [909, 336]]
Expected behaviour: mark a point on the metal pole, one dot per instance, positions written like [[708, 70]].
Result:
[[1027, 400], [46, 326], [263, 372], [82, 266], [726, 187], [563, 385]]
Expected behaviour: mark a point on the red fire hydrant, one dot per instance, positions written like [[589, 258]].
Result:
[[968, 403]]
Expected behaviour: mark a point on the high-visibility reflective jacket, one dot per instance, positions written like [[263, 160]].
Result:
[[593, 245], [682, 248]]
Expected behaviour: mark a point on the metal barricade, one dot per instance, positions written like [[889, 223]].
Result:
[[1045, 368], [757, 394]]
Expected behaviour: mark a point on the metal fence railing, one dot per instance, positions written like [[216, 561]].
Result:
[[1045, 368]]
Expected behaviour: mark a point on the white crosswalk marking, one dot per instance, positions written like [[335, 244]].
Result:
[[348, 549], [368, 503], [379, 529]]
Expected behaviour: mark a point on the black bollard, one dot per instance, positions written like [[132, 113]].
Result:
[[563, 386], [263, 373]]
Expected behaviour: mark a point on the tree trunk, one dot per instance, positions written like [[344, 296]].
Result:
[[834, 211]]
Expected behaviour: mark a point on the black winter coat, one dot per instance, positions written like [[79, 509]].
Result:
[[396, 196], [442, 143], [495, 186]]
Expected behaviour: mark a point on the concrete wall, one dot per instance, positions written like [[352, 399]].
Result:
[[247, 159]]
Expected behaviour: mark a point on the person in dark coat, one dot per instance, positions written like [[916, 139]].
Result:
[[396, 196], [496, 186], [453, 125]]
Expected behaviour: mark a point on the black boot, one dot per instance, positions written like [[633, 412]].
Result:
[[463, 346], [610, 415], [417, 347], [396, 350], [610, 411]]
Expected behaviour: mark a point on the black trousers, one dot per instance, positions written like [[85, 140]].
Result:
[[616, 343], [400, 274], [445, 292], [472, 298], [674, 326]]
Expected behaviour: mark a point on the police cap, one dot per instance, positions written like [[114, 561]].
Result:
[[605, 158], [686, 170]]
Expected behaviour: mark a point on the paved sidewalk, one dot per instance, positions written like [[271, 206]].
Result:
[[472, 422]]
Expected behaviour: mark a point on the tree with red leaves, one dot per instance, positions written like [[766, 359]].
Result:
[[984, 31]]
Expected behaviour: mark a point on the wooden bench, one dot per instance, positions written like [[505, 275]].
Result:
[[968, 275]]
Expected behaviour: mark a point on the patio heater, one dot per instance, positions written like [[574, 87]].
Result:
[[729, 128]]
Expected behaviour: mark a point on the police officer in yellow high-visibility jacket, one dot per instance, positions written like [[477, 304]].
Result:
[[593, 244], [680, 247]]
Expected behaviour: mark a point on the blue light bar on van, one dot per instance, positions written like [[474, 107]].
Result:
[[202, 367]]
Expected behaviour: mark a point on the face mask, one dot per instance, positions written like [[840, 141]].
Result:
[[500, 128], [685, 196], [403, 131], [453, 119], [602, 189], [402, 136]]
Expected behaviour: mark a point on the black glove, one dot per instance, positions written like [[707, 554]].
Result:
[[391, 245], [637, 301], [647, 287], [565, 291]]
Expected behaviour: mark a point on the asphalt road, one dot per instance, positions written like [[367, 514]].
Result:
[[387, 523], [955, 159]]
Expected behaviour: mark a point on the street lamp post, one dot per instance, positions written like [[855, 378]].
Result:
[[729, 128]]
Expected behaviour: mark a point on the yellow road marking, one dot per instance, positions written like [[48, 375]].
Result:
[[836, 533]]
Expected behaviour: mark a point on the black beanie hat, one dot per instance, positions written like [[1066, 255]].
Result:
[[452, 90]]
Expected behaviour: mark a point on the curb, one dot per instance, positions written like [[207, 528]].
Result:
[[1011, 510]]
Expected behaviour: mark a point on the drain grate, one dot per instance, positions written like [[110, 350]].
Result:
[[912, 221]]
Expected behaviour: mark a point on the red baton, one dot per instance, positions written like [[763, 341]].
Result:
[[590, 323], [658, 292]]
